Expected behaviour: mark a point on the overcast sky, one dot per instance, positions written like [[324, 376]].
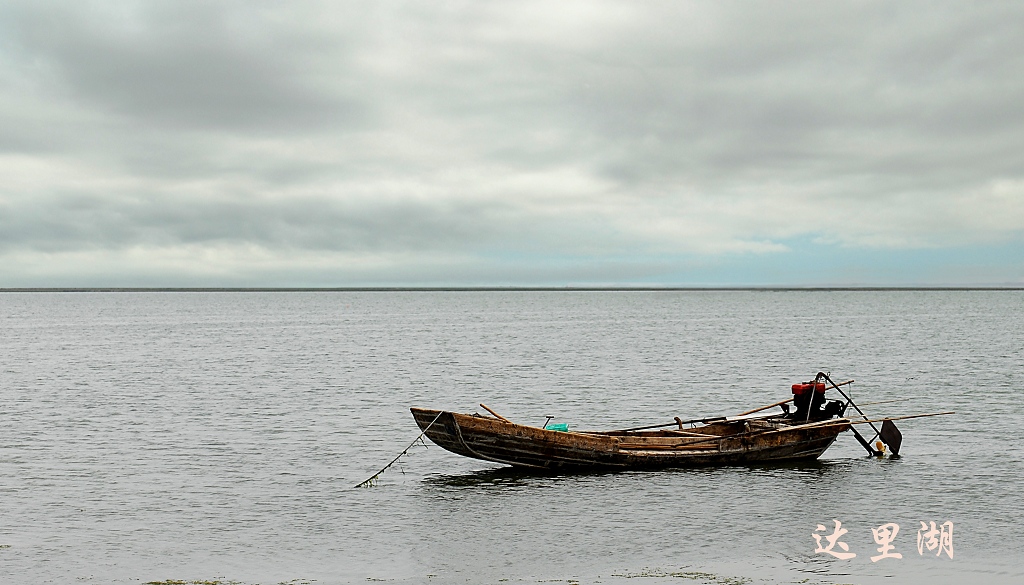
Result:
[[511, 143]]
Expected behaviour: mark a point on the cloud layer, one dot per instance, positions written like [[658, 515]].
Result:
[[504, 143]]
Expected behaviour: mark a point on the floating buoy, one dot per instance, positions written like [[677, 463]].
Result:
[[880, 447]]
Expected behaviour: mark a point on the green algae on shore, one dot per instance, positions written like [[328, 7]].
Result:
[[704, 577]]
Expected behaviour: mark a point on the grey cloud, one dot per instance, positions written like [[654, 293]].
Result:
[[74, 222], [410, 127], [187, 64]]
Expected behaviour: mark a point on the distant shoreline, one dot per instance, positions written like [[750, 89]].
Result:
[[511, 289]]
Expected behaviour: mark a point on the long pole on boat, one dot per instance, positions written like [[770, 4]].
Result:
[[484, 406], [845, 395], [815, 425], [706, 419], [832, 422], [904, 417], [779, 403], [860, 439]]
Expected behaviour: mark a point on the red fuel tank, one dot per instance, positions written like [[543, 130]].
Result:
[[799, 389]]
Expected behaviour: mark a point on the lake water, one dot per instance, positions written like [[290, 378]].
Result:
[[218, 436]]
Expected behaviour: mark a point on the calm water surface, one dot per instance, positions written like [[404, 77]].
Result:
[[217, 436]]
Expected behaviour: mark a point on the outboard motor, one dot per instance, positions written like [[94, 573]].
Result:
[[834, 408], [803, 394], [810, 396]]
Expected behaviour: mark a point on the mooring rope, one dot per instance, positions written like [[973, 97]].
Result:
[[370, 480]]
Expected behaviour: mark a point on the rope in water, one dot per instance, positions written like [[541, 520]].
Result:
[[373, 478]]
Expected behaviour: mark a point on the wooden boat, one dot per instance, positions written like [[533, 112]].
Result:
[[725, 440], [721, 441]]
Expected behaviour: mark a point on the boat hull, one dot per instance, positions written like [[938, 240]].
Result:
[[491, 439]]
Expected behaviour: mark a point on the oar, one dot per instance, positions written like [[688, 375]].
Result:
[[760, 432], [834, 422], [816, 424], [671, 424], [705, 420], [779, 403], [484, 406], [884, 401], [708, 419], [820, 423], [860, 422]]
